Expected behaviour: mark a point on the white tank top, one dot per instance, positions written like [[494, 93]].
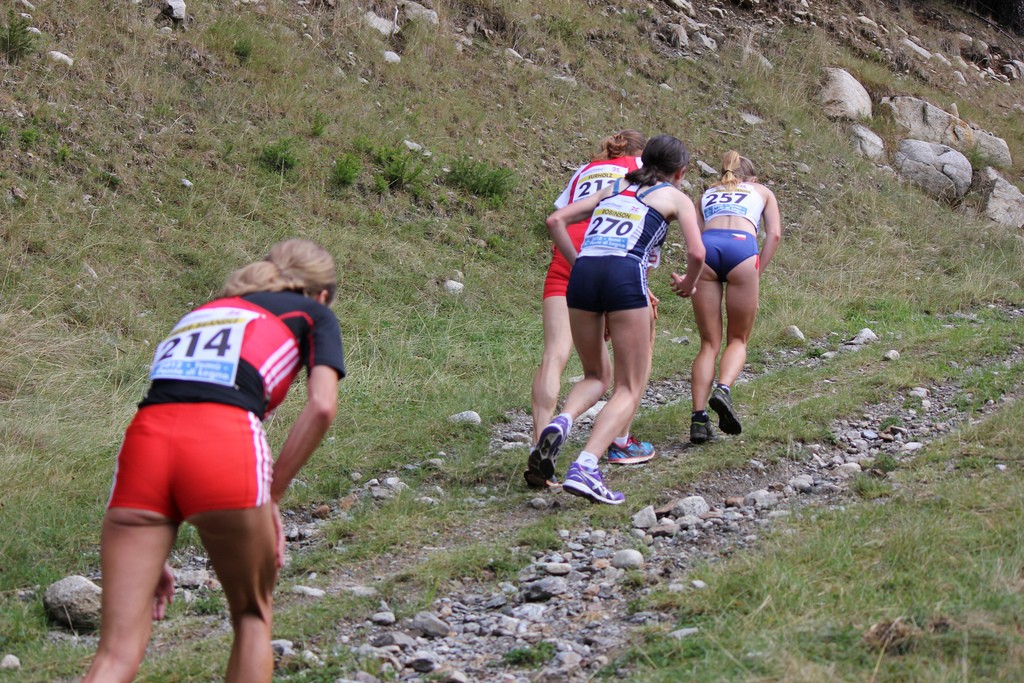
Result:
[[744, 201]]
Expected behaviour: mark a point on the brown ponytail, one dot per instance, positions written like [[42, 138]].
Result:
[[625, 143]]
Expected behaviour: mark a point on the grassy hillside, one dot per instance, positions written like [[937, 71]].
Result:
[[285, 120]]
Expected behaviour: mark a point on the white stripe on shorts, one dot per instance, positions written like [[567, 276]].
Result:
[[264, 460]]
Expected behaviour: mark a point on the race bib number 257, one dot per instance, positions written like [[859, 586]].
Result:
[[205, 346]]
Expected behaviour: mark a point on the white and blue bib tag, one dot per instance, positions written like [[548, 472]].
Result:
[[205, 346]]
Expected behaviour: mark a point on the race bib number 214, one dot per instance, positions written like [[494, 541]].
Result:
[[205, 346]]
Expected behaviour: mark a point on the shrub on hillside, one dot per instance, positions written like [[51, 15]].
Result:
[[15, 40], [280, 156], [345, 170], [481, 178]]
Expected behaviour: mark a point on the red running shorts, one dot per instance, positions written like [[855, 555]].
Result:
[[179, 459]]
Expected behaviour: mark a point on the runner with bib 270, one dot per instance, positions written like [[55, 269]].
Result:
[[608, 288], [619, 154]]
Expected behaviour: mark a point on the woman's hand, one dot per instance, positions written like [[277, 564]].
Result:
[[164, 592], [683, 285]]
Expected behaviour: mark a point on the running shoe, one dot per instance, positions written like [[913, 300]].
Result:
[[551, 439], [701, 432], [534, 477], [634, 452], [721, 403], [590, 485]]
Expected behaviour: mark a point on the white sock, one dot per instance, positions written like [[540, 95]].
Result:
[[587, 461], [622, 441]]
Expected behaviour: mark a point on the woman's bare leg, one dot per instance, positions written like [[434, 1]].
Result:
[[741, 294], [242, 547], [631, 340], [547, 381], [707, 311], [133, 547]]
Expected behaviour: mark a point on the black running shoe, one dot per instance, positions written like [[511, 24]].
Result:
[[535, 477], [701, 432], [721, 403]]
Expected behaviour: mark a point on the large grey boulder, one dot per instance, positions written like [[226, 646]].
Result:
[[74, 602], [866, 142], [939, 170], [1003, 201], [925, 121], [844, 97]]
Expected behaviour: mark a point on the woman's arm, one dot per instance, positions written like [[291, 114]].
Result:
[[560, 220], [687, 217], [772, 230], [309, 428]]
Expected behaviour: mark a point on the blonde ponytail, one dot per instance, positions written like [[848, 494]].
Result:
[[735, 170], [292, 265]]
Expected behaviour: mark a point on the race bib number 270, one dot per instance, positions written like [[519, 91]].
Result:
[[205, 346]]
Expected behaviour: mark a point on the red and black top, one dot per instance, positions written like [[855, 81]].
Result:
[[244, 351]]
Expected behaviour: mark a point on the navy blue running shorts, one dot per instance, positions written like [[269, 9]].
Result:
[[600, 284]]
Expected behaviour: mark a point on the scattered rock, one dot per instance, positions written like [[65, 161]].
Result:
[[793, 332], [431, 625], [867, 144], [453, 287], [1003, 201], [844, 97], [309, 592], [60, 58], [628, 558], [10, 663], [466, 417], [74, 602]]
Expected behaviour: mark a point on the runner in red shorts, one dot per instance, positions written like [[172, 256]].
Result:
[[620, 154], [196, 452]]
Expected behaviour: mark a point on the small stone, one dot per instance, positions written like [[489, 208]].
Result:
[[804, 483], [453, 287], [913, 446], [391, 57], [431, 625], [793, 332], [383, 618], [424, 661], [698, 584], [680, 340], [891, 354], [628, 558], [282, 648], [466, 417], [322, 511], [60, 58], [919, 392], [74, 602], [691, 505], [863, 337], [645, 519], [761, 498], [10, 663], [186, 183], [544, 589], [539, 503], [679, 634], [558, 568], [309, 592]]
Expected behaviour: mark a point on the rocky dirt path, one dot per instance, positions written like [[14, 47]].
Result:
[[569, 612]]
